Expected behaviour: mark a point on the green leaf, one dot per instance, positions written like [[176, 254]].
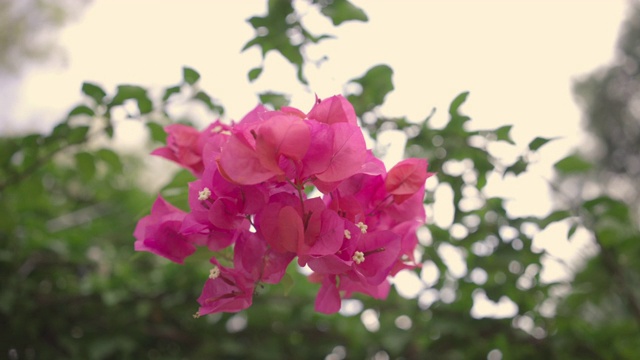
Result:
[[555, 216], [78, 134], [287, 283], [439, 234], [605, 206], [111, 159], [503, 134], [254, 73], [93, 91], [126, 92], [572, 230], [455, 126], [189, 75], [273, 34], [156, 132], [274, 99], [109, 131], [206, 99], [138, 93], [340, 11], [517, 167], [454, 108], [538, 142], [376, 84], [482, 181], [85, 163], [81, 110], [168, 92], [573, 164], [177, 191], [61, 131]]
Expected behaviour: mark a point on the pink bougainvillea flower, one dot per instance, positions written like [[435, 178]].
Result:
[[333, 110], [349, 286], [281, 135], [240, 163], [255, 153], [248, 199], [280, 223], [250, 196], [412, 208], [406, 178], [208, 222], [328, 299], [341, 261], [375, 255], [226, 290], [408, 243], [254, 116], [159, 233], [348, 152], [258, 261], [324, 230], [318, 155], [185, 144]]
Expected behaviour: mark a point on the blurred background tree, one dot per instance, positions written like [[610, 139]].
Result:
[[28, 29], [72, 286], [602, 309]]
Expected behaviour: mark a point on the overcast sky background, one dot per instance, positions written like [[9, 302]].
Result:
[[518, 59]]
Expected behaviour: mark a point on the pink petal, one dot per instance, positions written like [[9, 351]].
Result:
[[257, 261], [254, 116], [331, 235], [241, 164], [223, 214], [282, 229], [166, 241], [330, 264], [347, 154], [406, 178], [349, 286], [318, 156], [290, 228], [328, 299], [381, 249], [333, 110], [282, 135], [229, 292]]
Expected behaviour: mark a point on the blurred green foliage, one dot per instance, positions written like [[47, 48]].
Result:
[[28, 28], [72, 286]]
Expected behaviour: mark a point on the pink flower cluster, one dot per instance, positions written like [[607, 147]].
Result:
[[251, 193]]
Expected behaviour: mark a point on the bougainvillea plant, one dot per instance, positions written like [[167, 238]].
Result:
[[250, 195]]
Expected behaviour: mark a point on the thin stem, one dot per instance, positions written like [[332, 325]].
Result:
[[299, 189]]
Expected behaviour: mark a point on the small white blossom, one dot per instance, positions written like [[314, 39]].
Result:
[[214, 273], [358, 257], [347, 234], [204, 194], [363, 227]]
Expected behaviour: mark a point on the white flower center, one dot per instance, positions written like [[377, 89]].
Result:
[[347, 234], [358, 257], [363, 227], [204, 194], [214, 273]]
